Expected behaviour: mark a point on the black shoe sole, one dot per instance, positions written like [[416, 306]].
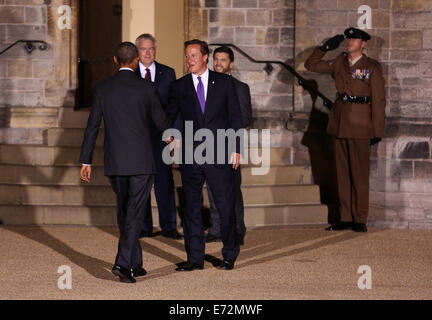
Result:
[[195, 267], [139, 275], [226, 268], [340, 227], [186, 270], [122, 277]]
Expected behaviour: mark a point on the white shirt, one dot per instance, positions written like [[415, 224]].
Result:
[[204, 80], [152, 71]]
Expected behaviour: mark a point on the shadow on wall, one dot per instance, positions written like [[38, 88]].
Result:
[[322, 160], [318, 143]]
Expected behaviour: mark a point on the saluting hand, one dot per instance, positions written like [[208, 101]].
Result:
[[333, 42]]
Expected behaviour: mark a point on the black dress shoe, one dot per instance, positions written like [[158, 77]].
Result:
[[212, 238], [187, 266], [146, 234], [340, 226], [360, 227], [173, 234], [139, 272], [227, 265], [124, 274]]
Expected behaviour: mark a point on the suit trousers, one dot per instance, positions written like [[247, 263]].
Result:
[[352, 170], [239, 209], [220, 178], [164, 193], [132, 194]]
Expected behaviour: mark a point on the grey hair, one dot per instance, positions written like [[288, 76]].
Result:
[[146, 36]]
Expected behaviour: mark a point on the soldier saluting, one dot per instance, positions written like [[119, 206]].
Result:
[[356, 121]]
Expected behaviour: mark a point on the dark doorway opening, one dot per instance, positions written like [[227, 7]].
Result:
[[100, 31]]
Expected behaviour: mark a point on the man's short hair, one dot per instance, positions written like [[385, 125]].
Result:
[[145, 36], [203, 46], [126, 53], [225, 49]]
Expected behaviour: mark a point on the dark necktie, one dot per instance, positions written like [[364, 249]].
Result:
[[147, 75], [200, 93]]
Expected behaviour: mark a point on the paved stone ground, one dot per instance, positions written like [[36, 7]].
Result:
[[286, 263]]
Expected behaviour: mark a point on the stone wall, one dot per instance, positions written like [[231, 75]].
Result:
[[401, 166], [33, 86], [264, 29]]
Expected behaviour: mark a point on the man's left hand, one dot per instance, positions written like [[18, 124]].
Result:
[[235, 160], [169, 140], [85, 173]]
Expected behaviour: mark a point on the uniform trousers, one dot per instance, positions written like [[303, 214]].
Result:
[[352, 170]]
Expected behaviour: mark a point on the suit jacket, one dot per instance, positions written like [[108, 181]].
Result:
[[354, 120], [164, 78], [222, 109], [244, 96], [127, 105]]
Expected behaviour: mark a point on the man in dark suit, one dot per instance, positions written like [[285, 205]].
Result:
[[163, 77], [207, 101], [223, 61], [127, 105]]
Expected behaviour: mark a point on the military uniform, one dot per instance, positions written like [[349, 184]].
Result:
[[357, 116]]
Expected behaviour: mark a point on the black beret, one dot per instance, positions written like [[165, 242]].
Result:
[[354, 33]]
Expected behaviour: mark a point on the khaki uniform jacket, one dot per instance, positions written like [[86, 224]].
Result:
[[353, 120]]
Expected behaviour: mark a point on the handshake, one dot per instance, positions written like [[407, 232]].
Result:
[[332, 43]]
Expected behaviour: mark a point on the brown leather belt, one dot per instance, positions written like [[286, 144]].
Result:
[[353, 99]]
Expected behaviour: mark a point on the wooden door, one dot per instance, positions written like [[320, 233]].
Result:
[[100, 31]]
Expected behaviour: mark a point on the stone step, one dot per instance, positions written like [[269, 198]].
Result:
[[39, 155], [32, 117], [73, 137], [69, 175], [52, 155], [22, 135], [255, 216], [70, 118], [14, 194], [68, 137]]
